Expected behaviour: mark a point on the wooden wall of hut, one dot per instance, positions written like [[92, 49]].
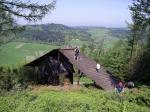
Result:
[[48, 68]]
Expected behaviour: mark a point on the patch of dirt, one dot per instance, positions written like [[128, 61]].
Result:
[[20, 45], [69, 87]]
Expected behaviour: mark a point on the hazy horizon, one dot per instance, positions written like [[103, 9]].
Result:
[[75, 26]]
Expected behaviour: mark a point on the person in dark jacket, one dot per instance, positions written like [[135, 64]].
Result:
[[77, 52], [119, 90], [119, 87]]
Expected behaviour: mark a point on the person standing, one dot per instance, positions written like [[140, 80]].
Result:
[[119, 89], [77, 52], [98, 66]]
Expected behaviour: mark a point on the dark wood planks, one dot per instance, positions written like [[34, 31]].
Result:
[[87, 66]]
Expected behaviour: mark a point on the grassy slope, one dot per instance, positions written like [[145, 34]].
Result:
[[81, 100], [98, 34], [11, 55], [77, 42]]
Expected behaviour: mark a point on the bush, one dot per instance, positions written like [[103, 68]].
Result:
[[84, 100], [15, 78]]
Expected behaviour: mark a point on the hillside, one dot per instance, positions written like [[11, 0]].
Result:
[[55, 33], [52, 33], [17, 53], [62, 33], [107, 36]]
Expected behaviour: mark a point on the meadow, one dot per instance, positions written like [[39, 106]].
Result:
[[102, 34], [18, 53]]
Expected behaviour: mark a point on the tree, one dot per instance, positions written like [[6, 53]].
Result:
[[115, 59], [140, 11], [141, 17], [100, 47], [9, 9], [83, 48]]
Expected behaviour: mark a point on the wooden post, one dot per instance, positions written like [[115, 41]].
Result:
[[79, 76], [78, 80], [36, 73]]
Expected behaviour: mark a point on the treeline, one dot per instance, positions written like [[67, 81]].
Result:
[[113, 32], [61, 33], [58, 33], [52, 33], [119, 32]]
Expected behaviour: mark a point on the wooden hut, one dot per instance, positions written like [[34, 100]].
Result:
[[48, 69]]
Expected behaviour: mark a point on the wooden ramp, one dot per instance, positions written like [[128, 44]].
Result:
[[86, 65]]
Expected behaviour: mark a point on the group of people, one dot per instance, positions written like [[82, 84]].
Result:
[[77, 57], [119, 88]]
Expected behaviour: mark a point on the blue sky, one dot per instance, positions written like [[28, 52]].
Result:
[[107, 13]]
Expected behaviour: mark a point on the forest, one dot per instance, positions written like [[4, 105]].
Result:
[[124, 52], [60, 33]]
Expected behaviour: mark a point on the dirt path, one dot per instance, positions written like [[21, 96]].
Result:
[[20, 45]]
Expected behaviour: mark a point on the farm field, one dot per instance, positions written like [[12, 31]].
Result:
[[18, 53]]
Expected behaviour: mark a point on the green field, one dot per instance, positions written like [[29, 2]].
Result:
[[77, 42], [18, 53], [100, 34]]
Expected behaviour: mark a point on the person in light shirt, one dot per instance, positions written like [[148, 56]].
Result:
[[98, 66]]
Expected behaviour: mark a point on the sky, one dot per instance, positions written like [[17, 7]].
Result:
[[104, 13]]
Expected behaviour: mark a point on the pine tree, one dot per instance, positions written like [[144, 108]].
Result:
[[9, 9]]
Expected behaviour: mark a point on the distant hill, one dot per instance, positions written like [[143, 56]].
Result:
[[63, 34], [53, 33], [113, 32]]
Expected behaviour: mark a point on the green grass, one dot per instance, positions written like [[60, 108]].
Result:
[[77, 42], [83, 79], [14, 53], [83, 100], [98, 34]]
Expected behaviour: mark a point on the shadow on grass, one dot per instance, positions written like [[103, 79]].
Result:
[[92, 85]]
